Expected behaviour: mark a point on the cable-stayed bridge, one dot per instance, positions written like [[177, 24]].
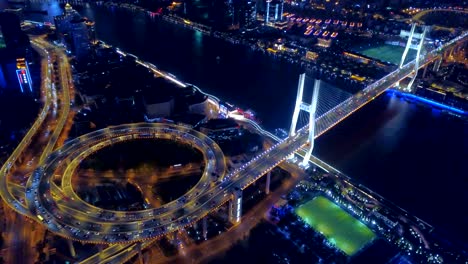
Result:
[[325, 108]]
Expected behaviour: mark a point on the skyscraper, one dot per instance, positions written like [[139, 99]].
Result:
[[245, 13], [14, 51], [76, 32], [80, 42], [16, 41], [62, 22], [274, 11], [220, 14]]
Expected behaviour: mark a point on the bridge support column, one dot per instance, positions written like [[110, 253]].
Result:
[[425, 71], [437, 64], [100, 247], [418, 55], [408, 45], [235, 207], [72, 248], [312, 110], [267, 17], [405, 52], [140, 254], [297, 107], [397, 84], [267, 185], [205, 228]]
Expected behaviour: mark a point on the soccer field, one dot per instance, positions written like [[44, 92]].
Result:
[[388, 53], [340, 228]]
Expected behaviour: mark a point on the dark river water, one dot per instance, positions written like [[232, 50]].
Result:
[[412, 155]]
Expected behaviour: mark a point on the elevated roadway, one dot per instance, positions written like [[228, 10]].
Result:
[[418, 16], [47, 120], [35, 146], [64, 213], [88, 223]]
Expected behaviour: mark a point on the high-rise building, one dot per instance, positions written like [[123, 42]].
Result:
[[23, 75], [14, 51], [91, 30], [80, 42], [221, 14], [274, 11], [63, 21], [17, 11], [76, 32], [16, 41], [245, 13]]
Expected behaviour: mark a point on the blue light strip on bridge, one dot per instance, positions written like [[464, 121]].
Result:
[[431, 102]]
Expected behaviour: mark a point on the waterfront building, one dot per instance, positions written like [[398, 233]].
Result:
[[15, 40], [233, 14], [76, 32], [200, 107], [14, 51], [91, 31], [62, 22], [221, 14], [80, 41], [17, 11], [23, 75], [324, 43], [245, 13], [219, 125], [273, 11], [158, 106]]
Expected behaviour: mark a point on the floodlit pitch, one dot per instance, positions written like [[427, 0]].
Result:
[[340, 228], [388, 53]]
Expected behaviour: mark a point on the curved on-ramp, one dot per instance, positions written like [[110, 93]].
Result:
[[63, 212]]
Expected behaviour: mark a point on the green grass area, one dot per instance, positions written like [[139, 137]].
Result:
[[388, 53], [340, 228]]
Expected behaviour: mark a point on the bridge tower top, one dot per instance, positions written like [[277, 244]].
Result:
[[311, 108], [412, 35]]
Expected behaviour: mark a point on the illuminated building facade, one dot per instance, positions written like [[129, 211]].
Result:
[[80, 41], [274, 11], [324, 43], [245, 13], [23, 75], [233, 14], [63, 22], [14, 51], [76, 32], [162, 106]]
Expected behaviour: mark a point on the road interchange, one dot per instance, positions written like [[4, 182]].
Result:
[[65, 213], [214, 196]]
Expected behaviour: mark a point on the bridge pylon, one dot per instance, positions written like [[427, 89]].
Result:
[[437, 64], [235, 207], [311, 108], [408, 45], [418, 58]]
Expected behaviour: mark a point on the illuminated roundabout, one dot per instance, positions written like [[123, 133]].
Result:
[[63, 212]]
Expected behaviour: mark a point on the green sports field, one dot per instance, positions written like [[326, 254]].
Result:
[[340, 228], [388, 53]]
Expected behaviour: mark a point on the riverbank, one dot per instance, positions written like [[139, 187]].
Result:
[[426, 101], [387, 203], [330, 67], [374, 145]]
